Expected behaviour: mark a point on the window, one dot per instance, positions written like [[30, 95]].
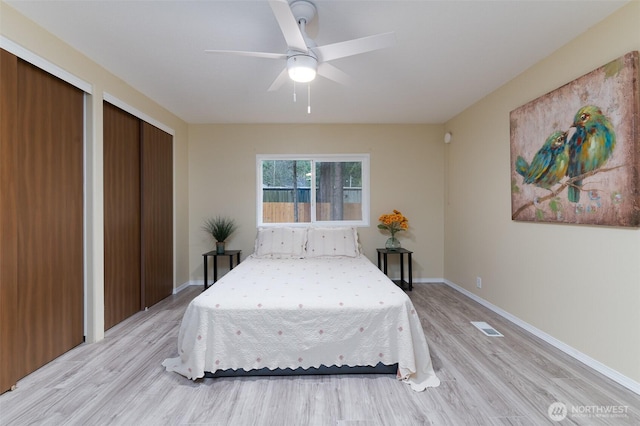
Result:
[[332, 190]]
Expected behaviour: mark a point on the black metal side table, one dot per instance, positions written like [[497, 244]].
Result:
[[382, 255], [230, 253]]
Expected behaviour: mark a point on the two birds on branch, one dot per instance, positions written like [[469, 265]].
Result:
[[585, 147]]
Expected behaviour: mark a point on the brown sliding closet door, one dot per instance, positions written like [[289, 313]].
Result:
[[138, 214], [50, 215], [10, 360], [122, 263], [157, 214], [41, 218]]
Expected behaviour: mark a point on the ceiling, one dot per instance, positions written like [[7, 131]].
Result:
[[448, 53]]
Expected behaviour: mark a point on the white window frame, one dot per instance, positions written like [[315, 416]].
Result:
[[317, 158]]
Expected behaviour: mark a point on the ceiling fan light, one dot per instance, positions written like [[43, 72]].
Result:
[[302, 68]]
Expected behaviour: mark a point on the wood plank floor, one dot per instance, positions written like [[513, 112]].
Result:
[[510, 380]]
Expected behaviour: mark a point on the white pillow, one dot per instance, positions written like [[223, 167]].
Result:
[[332, 242], [280, 242]]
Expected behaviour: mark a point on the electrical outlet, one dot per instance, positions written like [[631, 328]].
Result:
[[478, 282]]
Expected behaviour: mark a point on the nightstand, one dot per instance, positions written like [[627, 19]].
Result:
[[230, 253], [382, 258]]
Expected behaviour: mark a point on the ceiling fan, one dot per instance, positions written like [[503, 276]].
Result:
[[305, 58]]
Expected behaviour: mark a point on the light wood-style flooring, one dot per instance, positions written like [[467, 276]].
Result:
[[510, 380]]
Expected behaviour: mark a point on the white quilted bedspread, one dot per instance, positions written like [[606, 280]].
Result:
[[290, 313]]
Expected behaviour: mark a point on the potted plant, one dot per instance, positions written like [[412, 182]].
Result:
[[220, 228]]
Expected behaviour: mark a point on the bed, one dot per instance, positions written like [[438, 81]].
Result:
[[305, 299]]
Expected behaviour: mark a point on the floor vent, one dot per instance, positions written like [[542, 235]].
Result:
[[486, 329]]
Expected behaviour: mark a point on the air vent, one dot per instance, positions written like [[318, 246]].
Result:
[[486, 329]]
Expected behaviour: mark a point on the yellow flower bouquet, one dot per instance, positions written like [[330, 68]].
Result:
[[393, 223]]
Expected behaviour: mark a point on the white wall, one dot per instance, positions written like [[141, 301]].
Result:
[[579, 284], [406, 174]]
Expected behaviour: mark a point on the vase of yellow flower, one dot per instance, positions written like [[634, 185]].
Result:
[[393, 223]]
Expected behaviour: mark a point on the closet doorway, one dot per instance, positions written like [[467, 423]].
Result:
[[41, 218], [138, 214]]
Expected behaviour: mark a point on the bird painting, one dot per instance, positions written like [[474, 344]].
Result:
[[591, 140], [588, 130], [549, 165]]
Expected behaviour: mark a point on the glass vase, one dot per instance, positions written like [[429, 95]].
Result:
[[220, 247], [392, 244]]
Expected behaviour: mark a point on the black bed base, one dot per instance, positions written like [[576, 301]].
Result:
[[365, 369]]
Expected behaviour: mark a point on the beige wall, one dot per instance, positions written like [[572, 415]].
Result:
[[406, 174], [34, 39], [579, 284]]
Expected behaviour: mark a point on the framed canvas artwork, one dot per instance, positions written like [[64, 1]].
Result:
[[575, 152]]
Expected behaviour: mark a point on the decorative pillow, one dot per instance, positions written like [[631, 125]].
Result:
[[280, 242], [332, 242]]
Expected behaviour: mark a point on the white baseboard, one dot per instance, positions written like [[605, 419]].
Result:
[[415, 281], [187, 284], [428, 280], [617, 377]]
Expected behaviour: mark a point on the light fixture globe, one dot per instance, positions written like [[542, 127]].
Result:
[[302, 68]]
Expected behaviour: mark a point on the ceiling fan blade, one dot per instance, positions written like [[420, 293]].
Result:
[[288, 25], [266, 55], [356, 46], [279, 81], [332, 73]]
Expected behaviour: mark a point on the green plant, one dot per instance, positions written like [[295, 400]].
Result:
[[220, 227]]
